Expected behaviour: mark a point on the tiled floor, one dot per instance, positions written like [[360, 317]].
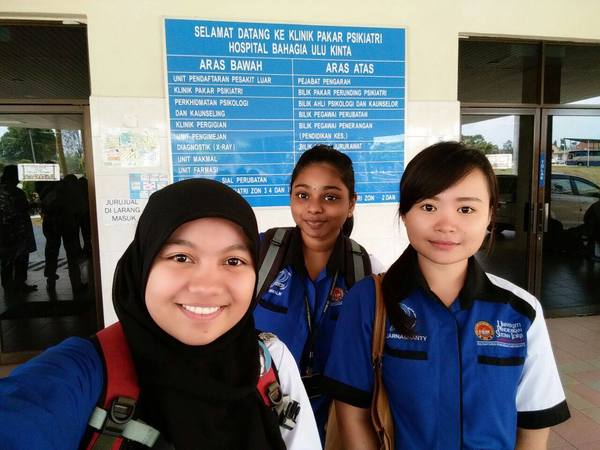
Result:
[[576, 343], [38, 319]]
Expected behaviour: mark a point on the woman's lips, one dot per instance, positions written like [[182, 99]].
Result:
[[444, 245], [315, 224]]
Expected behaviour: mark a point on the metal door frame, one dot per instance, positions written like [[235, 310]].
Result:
[[546, 114], [84, 111], [533, 249]]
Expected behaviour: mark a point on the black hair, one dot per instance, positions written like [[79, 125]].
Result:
[[10, 175], [430, 172], [440, 166], [326, 154]]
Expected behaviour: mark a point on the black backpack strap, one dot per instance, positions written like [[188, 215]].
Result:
[[358, 263], [273, 248]]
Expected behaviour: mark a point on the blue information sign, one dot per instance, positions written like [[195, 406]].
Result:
[[246, 99]]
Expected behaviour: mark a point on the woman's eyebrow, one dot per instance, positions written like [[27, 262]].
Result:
[[458, 199], [236, 247], [183, 242], [186, 243], [328, 187], [469, 199]]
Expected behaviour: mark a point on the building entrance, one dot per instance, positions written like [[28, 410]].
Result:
[[47, 237], [534, 109]]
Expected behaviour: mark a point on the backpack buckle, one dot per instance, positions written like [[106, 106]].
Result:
[[274, 394], [121, 411], [288, 413]]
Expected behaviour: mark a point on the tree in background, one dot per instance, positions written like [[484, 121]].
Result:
[[478, 141], [16, 145], [507, 147]]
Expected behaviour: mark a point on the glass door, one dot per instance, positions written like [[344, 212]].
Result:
[[569, 276], [48, 284], [508, 137]]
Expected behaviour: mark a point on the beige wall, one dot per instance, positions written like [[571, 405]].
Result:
[[126, 53], [125, 36]]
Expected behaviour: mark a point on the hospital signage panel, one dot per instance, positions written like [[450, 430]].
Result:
[[247, 99]]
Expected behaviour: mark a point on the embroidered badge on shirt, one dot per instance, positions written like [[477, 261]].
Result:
[[412, 323], [281, 282], [410, 314], [504, 334], [337, 295], [484, 330]]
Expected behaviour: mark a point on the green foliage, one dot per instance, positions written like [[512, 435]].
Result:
[[478, 141], [74, 163], [15, 145]]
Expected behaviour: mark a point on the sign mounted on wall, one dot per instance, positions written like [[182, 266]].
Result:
[[247, 99], [38, 172]]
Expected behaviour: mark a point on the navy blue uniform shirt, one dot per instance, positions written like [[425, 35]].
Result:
[[282, 309], [468, 376]]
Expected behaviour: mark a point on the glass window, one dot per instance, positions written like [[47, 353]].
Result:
[[585, 188], [571, 74], [498, 72], [561, 186]]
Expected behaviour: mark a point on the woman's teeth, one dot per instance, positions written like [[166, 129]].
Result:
[[203, 310]]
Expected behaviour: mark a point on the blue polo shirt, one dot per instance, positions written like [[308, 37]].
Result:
[[46, 403], [282, 309], [466, 376]]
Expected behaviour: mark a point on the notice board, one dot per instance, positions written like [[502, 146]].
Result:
[[247, 99]]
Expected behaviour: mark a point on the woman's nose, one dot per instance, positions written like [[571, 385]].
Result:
[[445, 222], [204, 279], [315, 205]]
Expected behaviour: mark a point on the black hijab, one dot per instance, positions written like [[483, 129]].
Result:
[[196, 396]]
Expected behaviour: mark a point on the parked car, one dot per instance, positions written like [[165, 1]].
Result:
[[570, 197]]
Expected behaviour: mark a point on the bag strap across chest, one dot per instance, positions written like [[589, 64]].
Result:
[[113, 421], [357, 261]]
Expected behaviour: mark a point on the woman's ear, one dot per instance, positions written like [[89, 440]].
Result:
[[352, 205]]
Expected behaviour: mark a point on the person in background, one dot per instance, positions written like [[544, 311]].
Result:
[[183, 292], [17, 240], [62, 209], [467, 359], [50, 214], [302, 303]]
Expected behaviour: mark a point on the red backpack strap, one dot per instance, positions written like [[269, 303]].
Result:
[[268, 383], [121, 389], [120, 371], [269, 389]]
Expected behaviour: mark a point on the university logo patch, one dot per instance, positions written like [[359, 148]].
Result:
[[337, 295], [484, 331]]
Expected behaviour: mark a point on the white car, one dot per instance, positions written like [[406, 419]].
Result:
[[570, 198]]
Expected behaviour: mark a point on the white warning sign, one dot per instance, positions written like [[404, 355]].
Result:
[[121, 211]]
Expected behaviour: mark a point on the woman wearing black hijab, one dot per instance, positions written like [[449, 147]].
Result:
[[183, 294]]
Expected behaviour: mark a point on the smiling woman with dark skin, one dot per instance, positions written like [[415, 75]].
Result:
[[302, 304], [467, 360]]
